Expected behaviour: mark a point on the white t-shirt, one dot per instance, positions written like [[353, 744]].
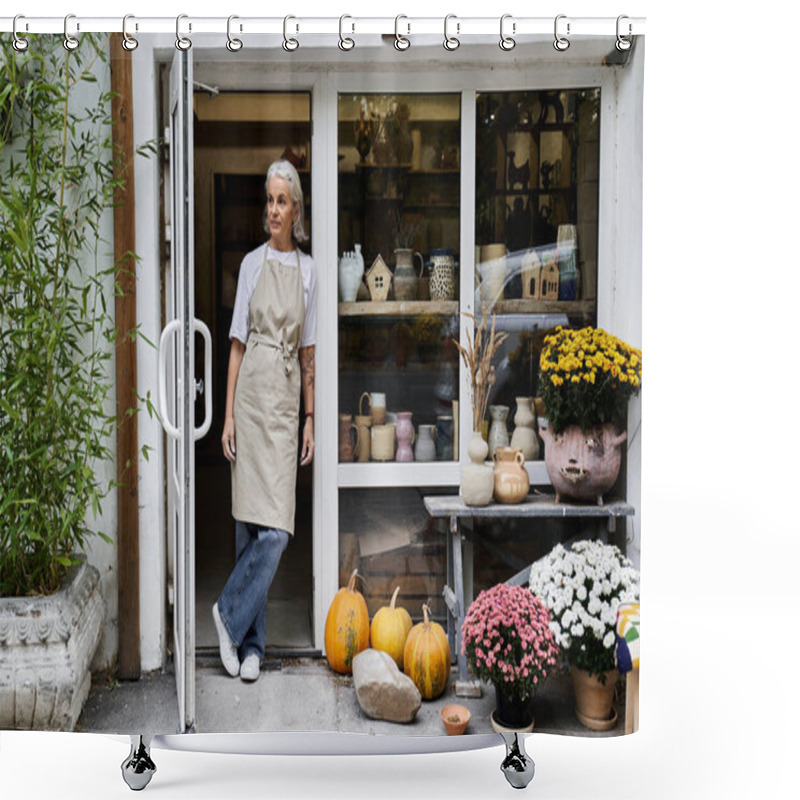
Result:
[[250, 272]]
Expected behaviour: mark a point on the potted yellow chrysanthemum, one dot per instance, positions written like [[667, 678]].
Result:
[[586, 378]]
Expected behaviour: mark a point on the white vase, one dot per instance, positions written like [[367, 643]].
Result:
[[351, 270], [498, 432], [425, 448], [477, 477], [524, 437]]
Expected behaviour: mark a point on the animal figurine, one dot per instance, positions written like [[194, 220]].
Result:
[[518, 175]]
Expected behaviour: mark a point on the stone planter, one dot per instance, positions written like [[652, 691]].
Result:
[[46, 647]]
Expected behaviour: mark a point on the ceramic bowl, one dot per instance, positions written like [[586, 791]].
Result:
[[455, 719]]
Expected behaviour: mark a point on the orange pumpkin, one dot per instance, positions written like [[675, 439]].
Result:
[[346, 627], [426, 658], [390, 628]]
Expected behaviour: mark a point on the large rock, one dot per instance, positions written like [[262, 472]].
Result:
[[46, 647], [383, 691]]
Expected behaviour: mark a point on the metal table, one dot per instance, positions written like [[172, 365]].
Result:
[[535, 506]]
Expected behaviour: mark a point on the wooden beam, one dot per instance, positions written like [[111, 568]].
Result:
[[129, 662]]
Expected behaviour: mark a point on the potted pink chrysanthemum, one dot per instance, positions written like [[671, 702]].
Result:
[[508, 642]]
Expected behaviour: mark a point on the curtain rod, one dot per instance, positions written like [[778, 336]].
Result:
[[451, 26]]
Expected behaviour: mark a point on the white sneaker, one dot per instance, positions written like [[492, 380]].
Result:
[[227, 649], [251, 668]]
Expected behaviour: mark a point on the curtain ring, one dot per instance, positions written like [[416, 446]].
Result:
[[129, 43], [181, 42], [506, 42], [400, 42], [18, 43], [451, 42], [70, 42], [233, 44], [289, 45], [561, 43], [623, 42], [345, 43]]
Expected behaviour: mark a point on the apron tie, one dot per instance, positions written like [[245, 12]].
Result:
[[288, 351]]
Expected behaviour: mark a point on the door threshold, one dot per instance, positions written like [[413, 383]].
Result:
[[205, 656]]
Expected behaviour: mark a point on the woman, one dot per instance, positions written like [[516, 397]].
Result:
[[273, 329]]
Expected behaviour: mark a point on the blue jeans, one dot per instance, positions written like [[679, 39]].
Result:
[[243, 602]]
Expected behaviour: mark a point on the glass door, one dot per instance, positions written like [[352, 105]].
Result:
[[178, 388]]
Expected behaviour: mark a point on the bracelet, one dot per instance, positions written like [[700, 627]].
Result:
[[310, 414]]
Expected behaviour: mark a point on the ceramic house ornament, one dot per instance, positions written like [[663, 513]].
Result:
[[549, 281], [379, 280], [531, 276]]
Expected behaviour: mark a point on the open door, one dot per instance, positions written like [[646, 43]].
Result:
[[178, 387]]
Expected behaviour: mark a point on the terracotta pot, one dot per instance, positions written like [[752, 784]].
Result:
[[511, 481], [455, 719], [582, 466], [594, 700]]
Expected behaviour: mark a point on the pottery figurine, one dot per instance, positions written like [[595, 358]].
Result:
[[583, 465]]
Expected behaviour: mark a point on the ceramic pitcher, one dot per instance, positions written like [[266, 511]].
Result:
[[377, 406], [511, 481], [347, 432], [363, 423], [406, 278]]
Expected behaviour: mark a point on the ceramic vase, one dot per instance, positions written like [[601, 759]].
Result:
[[443, 279], [425, 448], [404, 430], [498, 431], [524, 437], [351, 271], [582, 465], [511, 481], [477, 479], [406, 279], [594, 699]]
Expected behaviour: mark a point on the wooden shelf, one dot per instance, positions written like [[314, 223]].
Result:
[[526, 306], [399, 308]]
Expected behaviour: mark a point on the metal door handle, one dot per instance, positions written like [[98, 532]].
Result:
[[200, 432], [163, 409]]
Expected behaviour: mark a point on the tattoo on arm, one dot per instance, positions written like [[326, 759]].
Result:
[[307, 366]]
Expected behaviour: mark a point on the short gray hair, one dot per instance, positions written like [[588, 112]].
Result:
[[285, 170]]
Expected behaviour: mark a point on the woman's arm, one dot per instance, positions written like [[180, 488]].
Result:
[[228, 431], [307, 377]]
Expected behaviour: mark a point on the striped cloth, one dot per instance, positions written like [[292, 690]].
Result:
[[627, 633]]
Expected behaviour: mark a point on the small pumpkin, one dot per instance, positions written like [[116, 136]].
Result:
[[426, 657], [390, 628], [346, 627]]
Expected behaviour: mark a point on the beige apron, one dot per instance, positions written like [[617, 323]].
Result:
[[265, 408]]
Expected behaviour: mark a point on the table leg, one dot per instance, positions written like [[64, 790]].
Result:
[[464, 687]]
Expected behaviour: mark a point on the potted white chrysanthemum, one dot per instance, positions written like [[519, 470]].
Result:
[[583, 587]]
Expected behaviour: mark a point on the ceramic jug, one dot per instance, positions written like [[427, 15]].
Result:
[[347, 446], [363, 423], [511, 481], [377, 406], [524, 437], [405, 436], [382, 442], [425, 449], [498, 432], [443, 280], [351, 271], [406, 278]]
